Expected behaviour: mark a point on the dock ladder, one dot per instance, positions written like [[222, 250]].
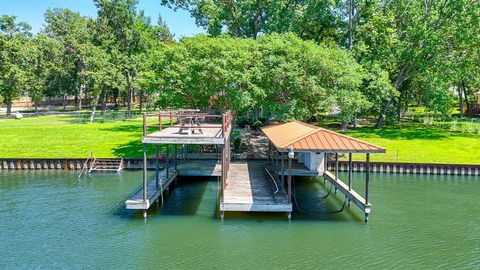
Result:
[[104, 164]]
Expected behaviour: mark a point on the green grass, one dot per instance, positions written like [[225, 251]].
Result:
[[421, 144], [63, 136]]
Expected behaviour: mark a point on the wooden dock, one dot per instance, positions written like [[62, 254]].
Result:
[[250, 188], [136, 201]]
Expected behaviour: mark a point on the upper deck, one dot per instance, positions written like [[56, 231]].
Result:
[[186, 127]]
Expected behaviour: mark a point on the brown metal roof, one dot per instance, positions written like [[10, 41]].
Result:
[[304, 137]]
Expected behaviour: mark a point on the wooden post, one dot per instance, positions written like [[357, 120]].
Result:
[[350, 169], [156, 166], [269, 152], [159, 120], [367, 177], [282, 182], [336, 170], [144, 124], [289, 183], [167, 160], [145, 172], [276, 162], [175, 158]]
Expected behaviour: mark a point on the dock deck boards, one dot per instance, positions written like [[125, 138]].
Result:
[[247, 189], [136, 200], [209, 135]]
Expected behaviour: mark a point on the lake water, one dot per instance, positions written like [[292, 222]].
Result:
[[49, 219]]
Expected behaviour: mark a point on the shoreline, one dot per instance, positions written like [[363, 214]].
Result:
[[7, 164]]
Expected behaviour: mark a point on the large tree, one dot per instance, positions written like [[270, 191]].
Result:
[[13, 58]]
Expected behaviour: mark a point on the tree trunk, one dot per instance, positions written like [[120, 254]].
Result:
[[104, 103], [94, 109], [465, 93], [350, 24], [344, 125], [129, 94], [140, 100], [9, 106], [80, 94], [8, 98], [401, 78], [460, 99]]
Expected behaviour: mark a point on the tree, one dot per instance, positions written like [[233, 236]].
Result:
[[74, 33], [280, 73], [13, 54], [128, 36]]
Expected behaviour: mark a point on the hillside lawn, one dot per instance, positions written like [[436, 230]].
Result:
[[64, 136]]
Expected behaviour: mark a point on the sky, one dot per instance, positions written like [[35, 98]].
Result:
[[180, 23]]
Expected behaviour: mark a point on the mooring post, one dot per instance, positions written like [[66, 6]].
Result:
[[282, 169], [175, 158], [167, 160], [156, 166], [350, 168], [289, 176], [145, 173], [336, 170], [367, 180]]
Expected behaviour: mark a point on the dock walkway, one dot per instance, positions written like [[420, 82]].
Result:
[[136, 200], [248, 188]]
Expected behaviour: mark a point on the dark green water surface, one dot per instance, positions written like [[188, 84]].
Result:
[[50, 220]]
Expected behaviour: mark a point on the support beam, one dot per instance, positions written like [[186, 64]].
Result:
[[367, 180], [167, 160], [336, 170], [350, 170], [282, 181], [145, 173], [289, 183], [156, 166], [175, 158]]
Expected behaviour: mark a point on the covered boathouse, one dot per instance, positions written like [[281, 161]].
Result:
[[295, 149]]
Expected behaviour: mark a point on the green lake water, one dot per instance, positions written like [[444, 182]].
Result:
[[51, 220]]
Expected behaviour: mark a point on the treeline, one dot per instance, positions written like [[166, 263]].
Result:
[[294, 58], [74, 55]]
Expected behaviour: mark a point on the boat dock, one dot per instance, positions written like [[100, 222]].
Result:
[[295, 149], [250, 187]]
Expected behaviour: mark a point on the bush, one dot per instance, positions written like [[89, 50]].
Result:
[[258, 124], [242, 122]]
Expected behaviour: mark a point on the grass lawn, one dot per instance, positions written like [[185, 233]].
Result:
[[421, 143], [63, 136]]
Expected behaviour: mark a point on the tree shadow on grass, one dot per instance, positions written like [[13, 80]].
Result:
[[409, 132]]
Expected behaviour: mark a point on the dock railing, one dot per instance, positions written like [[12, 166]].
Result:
[[198, 120]]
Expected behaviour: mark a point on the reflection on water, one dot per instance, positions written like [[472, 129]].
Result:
[[48, 219]]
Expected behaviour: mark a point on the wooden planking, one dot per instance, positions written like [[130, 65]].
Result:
[[351, 194], [136, 200], [247, 189], [172, 135]]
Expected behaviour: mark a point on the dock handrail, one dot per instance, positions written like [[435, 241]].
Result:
[[273, 179], [83, 168]]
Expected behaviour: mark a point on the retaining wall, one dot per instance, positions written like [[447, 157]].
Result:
[[358, 166]]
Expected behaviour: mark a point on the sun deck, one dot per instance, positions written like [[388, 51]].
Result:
[[249, 188], [211, 134]]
